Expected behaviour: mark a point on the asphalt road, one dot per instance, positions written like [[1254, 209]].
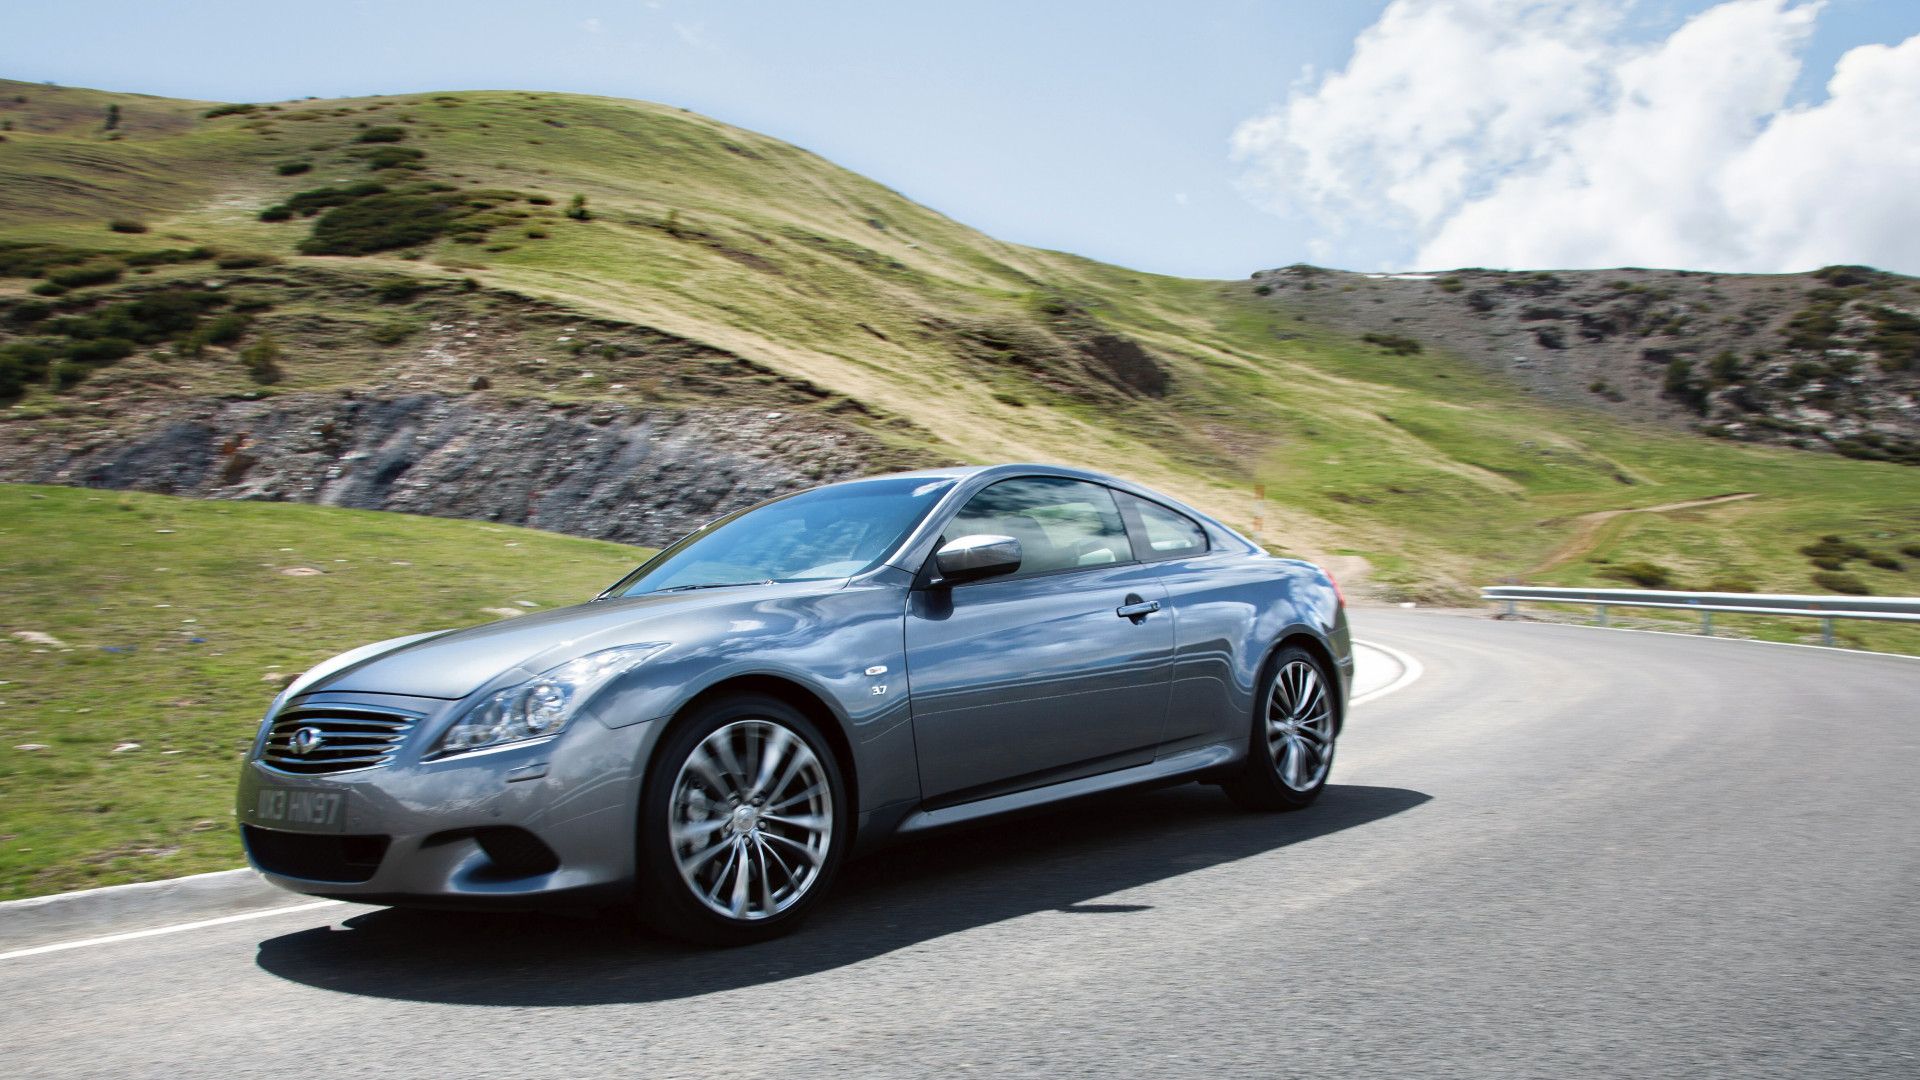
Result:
[[1562, 852]]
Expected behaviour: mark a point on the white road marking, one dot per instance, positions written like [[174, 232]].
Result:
[[1410, 672], [134, 935]]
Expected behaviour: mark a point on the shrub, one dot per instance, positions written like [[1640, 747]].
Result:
[[536, 234], [28, 312], [81, 276], [577, 209], [225, 330], [382, 135], [1732, 584], [126, 225], [1842, 583], [1883, 561], [392, 157], [1681, 386], [167, 256], [540, 200], [1842, 276], [1450, 284], [293, 168], [68, 374], [50, 288], [1550, 337], [1834, 549], [275, 213], [392, 333], [1396, 344], [1263, 289], [262, 361], [1644, 574], [219, 111], [311, 202], [1911, 551], [377, 223], [398, 290], [245, 260], [251, 301]]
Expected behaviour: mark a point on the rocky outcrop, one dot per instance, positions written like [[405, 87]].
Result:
[[631, 474], [1828, 360]]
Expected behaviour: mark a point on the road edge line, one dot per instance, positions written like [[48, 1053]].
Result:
[[1410, 671], [157, 931]]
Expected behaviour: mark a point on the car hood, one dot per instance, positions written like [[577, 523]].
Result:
[[455, 663]]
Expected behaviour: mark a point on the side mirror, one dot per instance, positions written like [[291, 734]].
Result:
[[971, 558]]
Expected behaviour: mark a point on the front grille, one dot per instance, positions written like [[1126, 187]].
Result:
[[334, 738], [315, 857]]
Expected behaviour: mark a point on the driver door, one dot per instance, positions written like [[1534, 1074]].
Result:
[[1035, 677]]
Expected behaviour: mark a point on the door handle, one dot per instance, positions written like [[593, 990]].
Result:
[[1137, 610]]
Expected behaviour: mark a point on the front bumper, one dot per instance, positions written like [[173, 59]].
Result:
[[457, 830]]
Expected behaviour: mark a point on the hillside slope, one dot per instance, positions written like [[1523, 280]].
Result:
[[614, 318]]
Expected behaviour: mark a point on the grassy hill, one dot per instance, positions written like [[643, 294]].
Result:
[[147, 634], [543, 283]]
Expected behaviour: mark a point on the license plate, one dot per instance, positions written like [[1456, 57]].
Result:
[[296, 808]]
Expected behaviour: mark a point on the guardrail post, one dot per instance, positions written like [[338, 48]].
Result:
[[1600, 614], [1826, 630], [1706, 623], [1513, 608]]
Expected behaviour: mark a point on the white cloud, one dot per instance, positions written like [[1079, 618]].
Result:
[[1532, 133]]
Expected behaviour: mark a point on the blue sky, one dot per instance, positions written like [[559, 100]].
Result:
[[1107, 129]]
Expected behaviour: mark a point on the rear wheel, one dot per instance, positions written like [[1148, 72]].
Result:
[[741, 826], [1294, 728]]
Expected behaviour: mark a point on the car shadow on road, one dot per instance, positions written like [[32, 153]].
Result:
[[942, 884]]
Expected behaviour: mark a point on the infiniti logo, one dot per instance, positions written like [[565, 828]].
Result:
[[305, 741]]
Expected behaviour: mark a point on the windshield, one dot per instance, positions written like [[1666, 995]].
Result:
[[830, 532]]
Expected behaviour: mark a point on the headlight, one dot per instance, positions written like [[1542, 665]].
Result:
[[542, 705]]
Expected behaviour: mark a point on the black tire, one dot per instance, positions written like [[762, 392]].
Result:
[[1265, 781], [667, 898]]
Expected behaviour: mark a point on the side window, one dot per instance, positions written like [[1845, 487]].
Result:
[[1060, 523], [1168, 534]]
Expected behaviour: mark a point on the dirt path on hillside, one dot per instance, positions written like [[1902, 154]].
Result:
[[1586, 527]]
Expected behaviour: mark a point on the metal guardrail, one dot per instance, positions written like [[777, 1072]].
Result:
[[1824, 608]]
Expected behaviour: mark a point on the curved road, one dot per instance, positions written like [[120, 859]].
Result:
[[1562, 852]]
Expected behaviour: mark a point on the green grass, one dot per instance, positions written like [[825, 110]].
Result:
[[171, 611]]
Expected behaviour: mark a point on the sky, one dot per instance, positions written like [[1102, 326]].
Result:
[[1207, 138]]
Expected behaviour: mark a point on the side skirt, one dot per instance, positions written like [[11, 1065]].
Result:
[[1186, 764]]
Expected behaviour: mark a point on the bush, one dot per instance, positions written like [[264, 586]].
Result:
[[50, 288], [262, 361], [311, 202], [540, 200], [1681, 386], [126, 225], [1842, 583], [577, 209], [1451, 284], [246, 260], [1834, 550], [1886, 562], [392, 157], [382, 135], [398, 290], [1393, 343], [225, 330], [1644, 574], [27, 312], [275, 213], [229, 110], [1912, 551], [81, 276], [377, 223], [1733, 584], [293, 168], [168, 256], [392, 333], [536, 234]]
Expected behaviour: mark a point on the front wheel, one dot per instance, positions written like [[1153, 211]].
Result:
[[741, 824], [1293, 735]]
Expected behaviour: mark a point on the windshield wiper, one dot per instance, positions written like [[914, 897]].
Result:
[[712, 585]]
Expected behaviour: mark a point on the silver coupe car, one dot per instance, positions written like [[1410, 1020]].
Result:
[[707, 741]]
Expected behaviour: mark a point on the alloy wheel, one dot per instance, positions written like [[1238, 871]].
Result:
[[752, 819], [1300, 726]]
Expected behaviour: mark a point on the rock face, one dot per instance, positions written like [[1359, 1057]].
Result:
[[630, 474], [1828, 360]]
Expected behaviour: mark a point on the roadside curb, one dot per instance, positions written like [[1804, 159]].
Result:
[[1409, 672], [42, 920]]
